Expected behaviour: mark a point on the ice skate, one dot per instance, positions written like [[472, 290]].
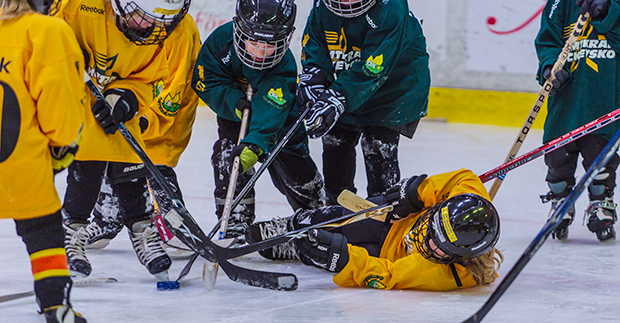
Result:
[[100, 233], [601, 216], [148, 247], [62, 314], [238, 224], [561, 231], [263, 230], [75, 240]]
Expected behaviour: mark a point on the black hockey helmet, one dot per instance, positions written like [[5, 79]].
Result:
[[263, 31], [462, 227], [148, 22], [46, 7], [349, 8]]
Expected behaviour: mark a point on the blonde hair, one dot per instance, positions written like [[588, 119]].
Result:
[[14, 8], [483, 268]]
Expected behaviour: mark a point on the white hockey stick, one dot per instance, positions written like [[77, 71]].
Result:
[[80, 282], [209, 270]]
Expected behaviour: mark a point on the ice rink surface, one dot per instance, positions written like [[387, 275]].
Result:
[[577, 281]]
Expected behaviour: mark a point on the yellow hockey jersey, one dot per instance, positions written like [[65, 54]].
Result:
[[394, 268], [115, 62], [173, 111], [43, 104]]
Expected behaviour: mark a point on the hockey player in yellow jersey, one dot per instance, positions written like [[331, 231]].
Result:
[[440, 236], [167, 127], [43, 108], [123, 43]]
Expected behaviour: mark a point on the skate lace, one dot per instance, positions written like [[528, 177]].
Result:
[[147, 245], [75, 245], [277, 227], [94, 230]]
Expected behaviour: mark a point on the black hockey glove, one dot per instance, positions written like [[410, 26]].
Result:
[[248, 155], [560, 79], [324, 113], [324, 249], [312, 82], [144, 123], [404, 197], [597, 8], [242, 104], [124, 104]]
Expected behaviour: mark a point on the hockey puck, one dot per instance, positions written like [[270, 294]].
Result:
[[168, 285]]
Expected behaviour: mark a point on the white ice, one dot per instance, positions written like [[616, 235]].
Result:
[[577, 281]]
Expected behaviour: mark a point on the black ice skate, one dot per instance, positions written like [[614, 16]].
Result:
[[100, 233], [263, 230], [148, 247], [601, 216], [75, 240], [62, 314], [561, 231], [238, 224]]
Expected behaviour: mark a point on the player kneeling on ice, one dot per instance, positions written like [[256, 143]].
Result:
[[441, 235]]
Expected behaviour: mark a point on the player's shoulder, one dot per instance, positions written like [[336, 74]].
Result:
[[41, 26]]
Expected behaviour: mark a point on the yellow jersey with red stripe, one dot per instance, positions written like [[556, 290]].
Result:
[[173, 111], [114, 62], [43, 104], [395, 268]]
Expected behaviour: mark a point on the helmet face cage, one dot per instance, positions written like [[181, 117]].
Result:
[[147, 28], [349, 8], [262, 31], [462, 227]]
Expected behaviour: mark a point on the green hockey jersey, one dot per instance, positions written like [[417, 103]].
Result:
[[220, 80], [594, 87], [378, 61]]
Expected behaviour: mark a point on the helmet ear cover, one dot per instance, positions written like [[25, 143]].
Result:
[[268, 26], [462, 227]]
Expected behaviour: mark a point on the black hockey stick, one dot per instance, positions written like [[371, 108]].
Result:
[[228, 253], [79, 282], [191, 233], [551, 224], [272, 155]]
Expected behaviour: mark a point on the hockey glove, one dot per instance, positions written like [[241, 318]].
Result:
[[248, 155], [63, 156], [324, 249], [560, 79], [324, 113], [312, 82], [404, 197], [242, 104], [143, 123], [124, 104], [597, 8]]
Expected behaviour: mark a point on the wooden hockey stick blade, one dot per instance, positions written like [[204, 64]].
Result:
[[80, 282], [354, 203], [209, 272]]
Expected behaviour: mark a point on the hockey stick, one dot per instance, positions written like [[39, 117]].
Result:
[[186, 228], [551, 146], [209, 271], [542, 96], [228, 253], [80, 282], [272, 155], [551, 224]]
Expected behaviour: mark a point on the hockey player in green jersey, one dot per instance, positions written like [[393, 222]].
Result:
[[365, 75], [587, 88], [253, 50]]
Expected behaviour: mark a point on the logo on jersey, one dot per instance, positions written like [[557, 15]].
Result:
[[587, 49], [374, 65], [85, 8], [4, 65], [98, 72], [374, 281], [168, 105], [342, 57], [276, 96]]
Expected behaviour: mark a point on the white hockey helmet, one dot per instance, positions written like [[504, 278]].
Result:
[[349, 8], [148, 22]]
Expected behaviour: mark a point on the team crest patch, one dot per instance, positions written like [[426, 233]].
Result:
[[170, 104], [374, 281], [374, 65], [158, 87], [276, 96]]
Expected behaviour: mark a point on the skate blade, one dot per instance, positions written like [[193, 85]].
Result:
[[162, 276]]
